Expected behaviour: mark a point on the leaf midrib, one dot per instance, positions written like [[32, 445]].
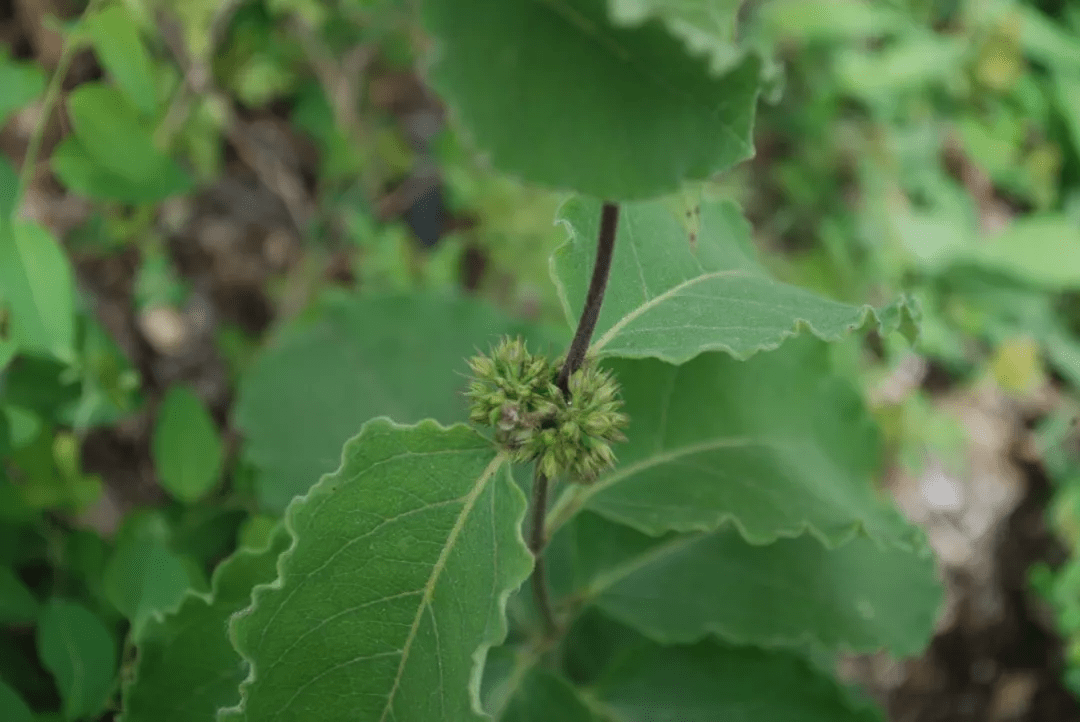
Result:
[[436, 572]]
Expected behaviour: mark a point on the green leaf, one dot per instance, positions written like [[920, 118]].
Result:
[[80, 652], [187, 450], [120, 48], [540, 84], [776, 446], [112, 155], [187, 655], [679, 287], [395, 585], [22, 83], [12, 707], [681, 588], [401, 356], [37, 285], [9, 191], [1043, 250], [82, 173], [143, 578], [711, 681], [17, 603], [706, 26]]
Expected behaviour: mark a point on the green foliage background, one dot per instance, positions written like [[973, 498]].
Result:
[[917, 166]]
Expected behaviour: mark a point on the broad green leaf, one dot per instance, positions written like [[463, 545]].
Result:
[[22, 82], [540, 84], [187, 655], [711, 681], [395, 585], [517, 690], [37, 286], [188, 453], [681, 588], [18, 605], [12, 706], [679, 287], [144, 578], [706, 26], [1043, 250], [402, 357], [776, 446], [120, 49], [80, 652]]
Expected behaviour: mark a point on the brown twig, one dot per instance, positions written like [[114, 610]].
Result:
[[605, 249]]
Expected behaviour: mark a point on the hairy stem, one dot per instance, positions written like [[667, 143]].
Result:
[[537, 542], [605, 247]]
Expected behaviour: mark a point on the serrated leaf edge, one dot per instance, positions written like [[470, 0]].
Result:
[[131, 669], [429, 70], [906, 307], [574, 500], [723, 632], [495, 636]]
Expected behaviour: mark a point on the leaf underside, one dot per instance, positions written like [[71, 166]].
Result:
[[680, 287], [394, 587]]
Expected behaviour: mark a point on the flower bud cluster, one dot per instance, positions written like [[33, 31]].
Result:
[[514, 393]]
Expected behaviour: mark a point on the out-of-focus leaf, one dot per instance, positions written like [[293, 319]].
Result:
[[21, 82], [402, 357], [18, 605], [120, 48], [37, 286], [12, 706], [187, 654], [188, 452], [562, 77], [80, 652]]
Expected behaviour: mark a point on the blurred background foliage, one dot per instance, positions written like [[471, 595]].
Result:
[[233, 212]]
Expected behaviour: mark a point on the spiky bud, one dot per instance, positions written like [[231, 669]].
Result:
[[514, 393]]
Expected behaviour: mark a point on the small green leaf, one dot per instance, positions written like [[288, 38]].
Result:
[[22, 83], [399, 356], [711, 681], [112, 153], [680, 287], [18, 605], [187, 655], [540, 84], [682, 588], [187, 450], [82, 173], [120, 48], [395, 585], [144, 578], [12, 707], [777, 446], [80, 652], [37, 286]]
